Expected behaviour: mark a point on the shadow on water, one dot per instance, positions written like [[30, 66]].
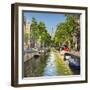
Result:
[[35, 66]]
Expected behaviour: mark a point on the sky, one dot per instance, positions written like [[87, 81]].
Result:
[[50, 19]]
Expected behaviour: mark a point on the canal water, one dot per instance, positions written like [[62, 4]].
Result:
[[35, 66], [50, 69], [41, 66]]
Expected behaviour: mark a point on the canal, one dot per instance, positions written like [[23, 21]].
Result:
[[46, 65], [50, 68]]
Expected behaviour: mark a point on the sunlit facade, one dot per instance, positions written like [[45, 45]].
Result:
[[26, 34]]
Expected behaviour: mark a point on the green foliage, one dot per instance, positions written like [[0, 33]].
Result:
[[65, 31], [34, 29], [44, 35], [61, 67], [39, 33]]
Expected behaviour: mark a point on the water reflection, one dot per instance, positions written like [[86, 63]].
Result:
[[45, 66], [50, 69], [35, 66]]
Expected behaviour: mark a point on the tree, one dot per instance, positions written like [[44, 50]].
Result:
[[44, 37], [34, 33], [67, 30], [39, 34]]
